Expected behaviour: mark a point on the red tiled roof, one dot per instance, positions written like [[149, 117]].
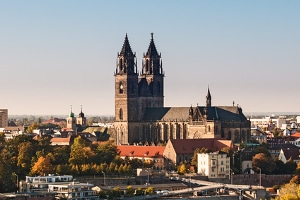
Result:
[[296, 135], [141, 151], [188, 146]]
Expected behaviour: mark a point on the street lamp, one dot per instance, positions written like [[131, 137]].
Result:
[[231, 176], [17, 181], [259, 176], [148, 177], [103, 177]]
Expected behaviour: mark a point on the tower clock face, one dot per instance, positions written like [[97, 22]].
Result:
[[121, 87]]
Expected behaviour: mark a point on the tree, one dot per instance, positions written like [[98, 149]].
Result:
[[182, 168], [105, 152], [296, 178], [80, 152], [264, 162], [150, 190], [262, 149], [26, 153], [139, 192], [129, 191], [290, 191], [32, 127], [42, 166]]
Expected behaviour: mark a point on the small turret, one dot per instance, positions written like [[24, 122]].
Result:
[[208, 98]]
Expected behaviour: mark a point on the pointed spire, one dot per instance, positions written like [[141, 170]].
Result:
[[126, 59], [152, 60], [208, 98], [81, 114], [126, 49], [152, 52], [71, 113]]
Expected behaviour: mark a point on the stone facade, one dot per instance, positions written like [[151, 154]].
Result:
[[140, 115]]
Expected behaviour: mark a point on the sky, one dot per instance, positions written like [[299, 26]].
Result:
[[57, 54]]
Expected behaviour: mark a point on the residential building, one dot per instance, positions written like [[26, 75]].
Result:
[[180, 150], [214, 165], [82, 191], [140, 115], [287, 153], [147, 154]]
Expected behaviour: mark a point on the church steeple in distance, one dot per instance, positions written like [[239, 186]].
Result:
[[152, 63], [126, 61], [208, 98]]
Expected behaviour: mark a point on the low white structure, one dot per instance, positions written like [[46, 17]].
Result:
[[214, 165], [74, 191]]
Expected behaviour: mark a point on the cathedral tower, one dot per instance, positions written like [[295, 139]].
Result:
[[126, 92], [153, 74]]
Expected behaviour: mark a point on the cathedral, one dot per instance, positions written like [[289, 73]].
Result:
[[140, 115]]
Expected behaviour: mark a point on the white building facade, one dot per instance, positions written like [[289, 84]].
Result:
[[214, 165]]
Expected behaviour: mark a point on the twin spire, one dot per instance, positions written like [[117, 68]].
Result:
[[126, 62]]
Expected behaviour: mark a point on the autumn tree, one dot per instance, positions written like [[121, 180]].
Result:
[[296, 178], [182, 168], [290, 191], [42, 166], [264, 162], [129, 191]]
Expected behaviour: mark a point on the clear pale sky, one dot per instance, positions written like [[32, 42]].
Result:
[[54, 54]]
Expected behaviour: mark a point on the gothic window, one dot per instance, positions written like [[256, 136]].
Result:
[[229, 135], [208, 128], [121, 88], [121, 114], [121, 65]]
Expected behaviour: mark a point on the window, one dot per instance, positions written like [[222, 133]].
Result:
[[121, 114]]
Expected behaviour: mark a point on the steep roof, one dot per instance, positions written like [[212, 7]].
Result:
[[166, 114], [188, 146], [223, 113], [294, 154], [141, 151]]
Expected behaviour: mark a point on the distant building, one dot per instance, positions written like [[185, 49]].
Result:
[[214, 165], [76, 123], [3, 118]]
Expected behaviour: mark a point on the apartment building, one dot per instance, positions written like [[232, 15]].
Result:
[[3, 118], [214, 165]]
